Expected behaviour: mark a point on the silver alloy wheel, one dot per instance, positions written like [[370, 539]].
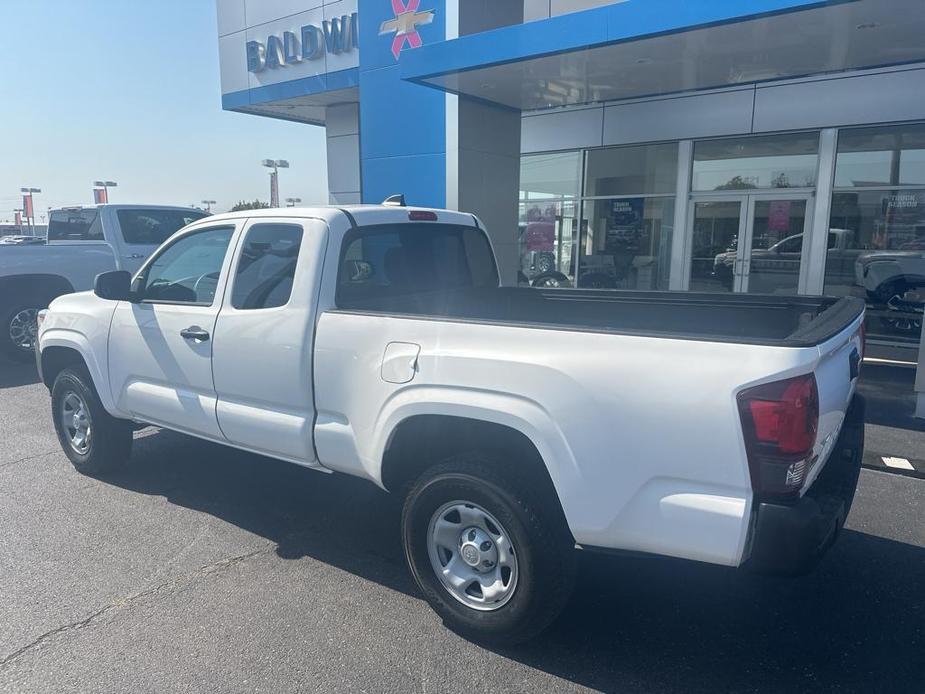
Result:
[[76, 421], [472, 555], [22, 328]]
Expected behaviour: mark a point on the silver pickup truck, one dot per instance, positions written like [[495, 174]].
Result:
[[82, 242]]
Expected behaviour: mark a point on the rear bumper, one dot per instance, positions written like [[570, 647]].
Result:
[[789, 539]]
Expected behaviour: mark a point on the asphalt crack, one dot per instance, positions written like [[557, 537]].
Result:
[[28, 457], [127, 601]]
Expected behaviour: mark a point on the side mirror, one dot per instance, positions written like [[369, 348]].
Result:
[[115, 285]]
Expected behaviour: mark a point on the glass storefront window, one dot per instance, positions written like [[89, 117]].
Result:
[[649, 169], [888, 156], [716, 235], [876, 252], [547, 240], [545, 176], [626, 243], [772, 161]]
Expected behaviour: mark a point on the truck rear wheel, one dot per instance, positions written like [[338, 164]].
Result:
[[488, 556], [93, 440], [17, 331]]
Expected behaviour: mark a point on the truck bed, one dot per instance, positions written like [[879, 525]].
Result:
[[789, 321]]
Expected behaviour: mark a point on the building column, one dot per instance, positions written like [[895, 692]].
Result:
[[681, 242], [812, 271], [342, 125], [438, 149], [483, 173], [483, 143], [920, 379]]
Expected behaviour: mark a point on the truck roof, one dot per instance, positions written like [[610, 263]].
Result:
[[121, 206], [362, 214]]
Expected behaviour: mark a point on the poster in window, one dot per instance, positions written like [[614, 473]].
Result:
[[904, 214], [540, 237], [779, 215], [625, 226]]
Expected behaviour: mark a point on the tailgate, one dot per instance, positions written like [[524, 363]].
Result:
[[836, 378]]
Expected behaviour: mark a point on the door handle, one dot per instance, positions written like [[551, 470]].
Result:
[[194, 332], [135, 256]]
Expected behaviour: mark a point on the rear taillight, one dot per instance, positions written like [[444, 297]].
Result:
[[422, 216], [780, 421]]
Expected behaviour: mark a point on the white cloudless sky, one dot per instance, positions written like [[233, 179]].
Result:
[[128, 90]]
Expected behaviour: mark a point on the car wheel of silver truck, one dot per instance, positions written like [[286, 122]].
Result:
[[487, 550], [93, 440], [18, 333]]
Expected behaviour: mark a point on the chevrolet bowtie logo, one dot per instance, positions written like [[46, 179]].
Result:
[[405, 25]]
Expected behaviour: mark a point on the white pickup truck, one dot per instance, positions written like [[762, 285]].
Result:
[[82, 242], [519, 424]]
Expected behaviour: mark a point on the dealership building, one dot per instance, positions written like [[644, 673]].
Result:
[[770, 146]]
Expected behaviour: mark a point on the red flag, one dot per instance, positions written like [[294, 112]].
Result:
[[18, 218], [99, 196], [27, 205]]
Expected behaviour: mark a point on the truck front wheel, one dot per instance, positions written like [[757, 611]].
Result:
[[490, 558], [93, 440]]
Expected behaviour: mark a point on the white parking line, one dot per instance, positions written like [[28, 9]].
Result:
[[898, 463]]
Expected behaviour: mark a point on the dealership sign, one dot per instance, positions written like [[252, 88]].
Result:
[[335, 35], [408, 18]]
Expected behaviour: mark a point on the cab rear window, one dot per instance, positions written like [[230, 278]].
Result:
[[398, 259], [151, 227], [75, 225]]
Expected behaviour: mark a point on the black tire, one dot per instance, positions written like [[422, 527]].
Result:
[[888, 290], [543, 545], [109, 443], [551, 280], [11, 331], [545, 263]]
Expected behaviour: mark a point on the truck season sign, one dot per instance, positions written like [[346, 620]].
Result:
[[335, 35]]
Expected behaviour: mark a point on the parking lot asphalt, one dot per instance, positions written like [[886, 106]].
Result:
[[895, 437], [203, 569]]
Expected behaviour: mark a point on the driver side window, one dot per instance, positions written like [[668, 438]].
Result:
[[792, 245], [187, 271]]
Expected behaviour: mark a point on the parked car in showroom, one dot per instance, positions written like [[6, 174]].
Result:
[[783, 258], [888, 274], [518, 424], [82, 242]]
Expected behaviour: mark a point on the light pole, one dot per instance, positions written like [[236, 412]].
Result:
[[28, 210], [105, 185], [275, 164], [291, 202], [208, 204]]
